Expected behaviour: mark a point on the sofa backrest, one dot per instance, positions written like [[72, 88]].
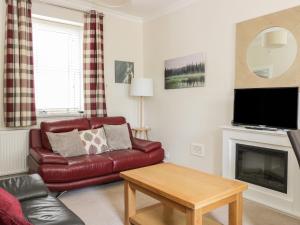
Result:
[[62, 126], [97, 122]]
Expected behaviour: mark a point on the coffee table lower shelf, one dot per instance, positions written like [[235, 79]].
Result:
[[154, 215]]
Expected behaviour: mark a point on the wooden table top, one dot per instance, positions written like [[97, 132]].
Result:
[[185, 186]]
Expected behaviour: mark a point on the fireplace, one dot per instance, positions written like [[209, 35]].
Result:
[[265, 151], [262, 166]]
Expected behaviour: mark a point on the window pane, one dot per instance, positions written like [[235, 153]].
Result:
[[58, 66]]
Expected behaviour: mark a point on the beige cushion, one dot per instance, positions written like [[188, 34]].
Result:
[[66, 144], [117, 136], [94, 141]]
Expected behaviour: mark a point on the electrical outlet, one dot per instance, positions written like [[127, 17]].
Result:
[[197, 150]]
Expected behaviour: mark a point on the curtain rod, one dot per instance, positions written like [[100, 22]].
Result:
[[69, 8]]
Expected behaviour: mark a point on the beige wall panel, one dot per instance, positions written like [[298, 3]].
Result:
[[247, 31]]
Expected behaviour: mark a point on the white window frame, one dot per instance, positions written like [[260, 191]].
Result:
[[41, 113]]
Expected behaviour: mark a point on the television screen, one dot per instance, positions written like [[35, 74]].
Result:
[[271, 107]]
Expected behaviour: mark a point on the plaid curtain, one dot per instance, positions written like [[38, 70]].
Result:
[[93, 68], [19, 101]]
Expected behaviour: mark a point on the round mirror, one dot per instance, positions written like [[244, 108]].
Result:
[[272, 52]]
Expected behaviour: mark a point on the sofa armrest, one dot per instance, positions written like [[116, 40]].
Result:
[[45, 156], [25, 187], [144, 145]]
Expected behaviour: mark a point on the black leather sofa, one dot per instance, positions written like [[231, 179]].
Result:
[[39, 206]]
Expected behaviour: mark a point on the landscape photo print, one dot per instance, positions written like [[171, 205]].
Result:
[[185, 72]]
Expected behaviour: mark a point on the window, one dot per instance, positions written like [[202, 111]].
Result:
[[57, 50]]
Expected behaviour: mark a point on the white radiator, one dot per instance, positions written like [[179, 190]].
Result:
[[14, 147]]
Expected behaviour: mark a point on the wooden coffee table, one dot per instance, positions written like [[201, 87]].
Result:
[[185, 195]]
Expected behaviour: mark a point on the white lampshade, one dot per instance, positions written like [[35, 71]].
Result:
[[275, 39], [141, 87]]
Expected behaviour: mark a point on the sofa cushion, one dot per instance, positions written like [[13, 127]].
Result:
[[67, 144], [131, 159], [97, 122], [78, 168], [94, 141], [62, 126], [25, 187], [49, 211], [10, 210], [117, 136]]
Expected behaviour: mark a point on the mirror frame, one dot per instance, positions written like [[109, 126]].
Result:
[[245, 33]]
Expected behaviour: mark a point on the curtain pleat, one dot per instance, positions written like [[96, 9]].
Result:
[[19, 96], [93, 68]]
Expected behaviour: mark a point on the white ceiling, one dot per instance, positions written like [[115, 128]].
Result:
[[145, 9]]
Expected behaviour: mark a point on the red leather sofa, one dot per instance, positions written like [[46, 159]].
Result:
[[61, 174]]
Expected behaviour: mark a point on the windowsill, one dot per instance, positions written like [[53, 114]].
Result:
[[60, 115]]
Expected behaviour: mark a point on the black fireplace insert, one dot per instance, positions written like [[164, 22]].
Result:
[[262, 166]]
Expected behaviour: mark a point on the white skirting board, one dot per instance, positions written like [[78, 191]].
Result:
[[14, 148]]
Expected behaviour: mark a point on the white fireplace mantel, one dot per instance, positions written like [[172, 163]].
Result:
[[288, 203]]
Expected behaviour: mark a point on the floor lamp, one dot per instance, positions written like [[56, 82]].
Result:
[[141, 87]]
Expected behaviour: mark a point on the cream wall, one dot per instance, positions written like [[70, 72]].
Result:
[[123, 41], [184, 116]]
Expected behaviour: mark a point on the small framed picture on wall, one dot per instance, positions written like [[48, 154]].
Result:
[[124, 72]]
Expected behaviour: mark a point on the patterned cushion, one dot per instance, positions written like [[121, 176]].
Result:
[[94, 141]]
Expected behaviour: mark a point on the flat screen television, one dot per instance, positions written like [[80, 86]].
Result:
[[270, 107]]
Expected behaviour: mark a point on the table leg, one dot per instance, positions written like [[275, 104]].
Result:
[[130, 201], [134, 133], [167, 211], [147, 137], [194, 217], [236, 211]]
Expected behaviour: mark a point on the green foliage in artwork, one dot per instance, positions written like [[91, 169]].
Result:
[[191, 75], [185, 81]]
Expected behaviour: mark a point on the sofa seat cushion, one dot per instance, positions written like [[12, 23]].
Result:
[[131, 159], [49, 210], [78, 168]]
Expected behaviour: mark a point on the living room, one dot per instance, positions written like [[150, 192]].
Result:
[[189, 125]]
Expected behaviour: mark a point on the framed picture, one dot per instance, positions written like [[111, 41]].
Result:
[[124, 72], [185, 72]]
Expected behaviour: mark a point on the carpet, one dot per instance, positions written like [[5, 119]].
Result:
[[104, 205]]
